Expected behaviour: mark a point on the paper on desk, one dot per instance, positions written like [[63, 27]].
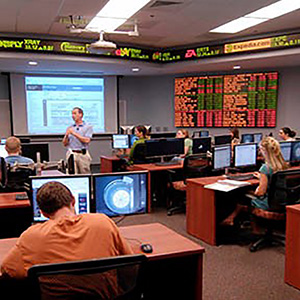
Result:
[[226, 185]]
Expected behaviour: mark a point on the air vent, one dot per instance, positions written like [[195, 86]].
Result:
[[164, 3]]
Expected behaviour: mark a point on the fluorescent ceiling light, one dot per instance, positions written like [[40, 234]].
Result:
[[115, 13], [135, 69], [32, 63], [259, 16], [238, 25], [236, 67]]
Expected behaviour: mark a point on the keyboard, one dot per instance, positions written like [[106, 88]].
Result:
[[240, 177], [168, 163]]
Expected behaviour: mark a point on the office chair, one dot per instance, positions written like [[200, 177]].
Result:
[[195, 165], [119, 277], [139, 154], [18, 178], [284, 190]]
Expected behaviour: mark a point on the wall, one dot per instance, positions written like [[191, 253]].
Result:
[[150, 101]]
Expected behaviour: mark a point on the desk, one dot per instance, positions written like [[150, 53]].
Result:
[[174, 268], [8, 200], [109, 164], [153, 167], [201, 212], [292, 246]]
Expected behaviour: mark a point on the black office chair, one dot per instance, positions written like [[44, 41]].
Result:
[[120, 277], [139, 154], [195, 165], [18, 178], [284, 190]]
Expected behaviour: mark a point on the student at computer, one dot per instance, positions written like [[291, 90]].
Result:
[[64, 237], [287, 134], [188, 142], [13, 149], [274, 162], [141, 133], [235, 137]]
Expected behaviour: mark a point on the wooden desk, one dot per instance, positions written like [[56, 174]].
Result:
[[201, 212], [153, 167], [174, 268], [292, 246], [8, 200], [109, 164]]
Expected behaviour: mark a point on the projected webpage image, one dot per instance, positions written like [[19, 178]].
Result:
[[50, 100], [121, 194], [79, 187]]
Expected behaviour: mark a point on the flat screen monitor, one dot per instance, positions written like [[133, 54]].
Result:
[[221, 157], [79, 185], [222, 139], [30, 150], [295, 156], [247, 138], [158, 135], [204, 133], [257, 137], [3, 152], [201, 145], [164, 147], [121, 193], [120, 141], [132, 139], [286, 150], [3, 172], [245, 155]]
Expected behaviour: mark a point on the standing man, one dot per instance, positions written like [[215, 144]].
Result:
[[77, 138]]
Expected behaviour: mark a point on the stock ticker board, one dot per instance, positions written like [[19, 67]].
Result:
[[238, 100]]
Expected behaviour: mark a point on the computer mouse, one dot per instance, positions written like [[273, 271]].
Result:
[[146, 248]]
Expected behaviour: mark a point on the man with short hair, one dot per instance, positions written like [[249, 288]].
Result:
[[13, 149], [77, 138], [65, 237]]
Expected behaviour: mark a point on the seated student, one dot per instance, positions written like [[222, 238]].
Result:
[[141, 133], [287, 134], [64, 237], [274, 162], [188, 143], [235, 137], [13, 149]]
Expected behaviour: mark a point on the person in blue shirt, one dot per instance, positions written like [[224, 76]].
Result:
[[13, 149], [77, 138]]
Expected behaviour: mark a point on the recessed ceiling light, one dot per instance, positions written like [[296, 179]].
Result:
[[33, 63], [135, 69], [261, 15], [236, 67], [115, 13]]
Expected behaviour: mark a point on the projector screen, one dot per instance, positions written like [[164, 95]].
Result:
[[42, 105]]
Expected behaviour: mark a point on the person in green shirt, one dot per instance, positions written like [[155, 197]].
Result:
[[188, 143], [141, 133]]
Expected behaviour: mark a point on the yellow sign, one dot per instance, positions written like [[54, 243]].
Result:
[[248, 46]]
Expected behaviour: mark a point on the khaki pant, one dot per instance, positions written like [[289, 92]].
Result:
[[82, 162]]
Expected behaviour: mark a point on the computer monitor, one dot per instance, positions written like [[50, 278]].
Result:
[[247, 138], [3, 152], [79, 185], [204, 133], [245, 155], [132, 139], [201, 145], [120, 141], [286, 150], [164, 147], [158, 135], [295, 156], [221, 157], [30, 150], [121, 193], [257, 137], [222, 139]]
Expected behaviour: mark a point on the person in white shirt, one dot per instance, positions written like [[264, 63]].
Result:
[[287, 134]]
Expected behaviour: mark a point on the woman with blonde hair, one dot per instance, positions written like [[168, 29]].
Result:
[[274, 162], [188, 143], [270, 149]]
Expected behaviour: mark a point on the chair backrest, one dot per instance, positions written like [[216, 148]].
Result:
[[139, 153], [120, 277], [284, 189], [196, 165], [18, 178]]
